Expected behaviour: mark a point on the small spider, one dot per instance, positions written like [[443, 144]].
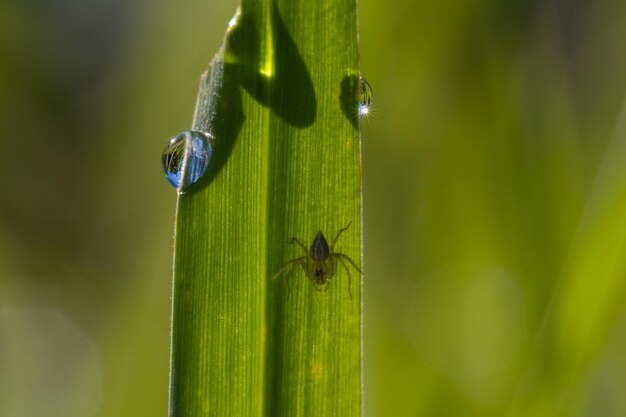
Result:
[[320, 262]]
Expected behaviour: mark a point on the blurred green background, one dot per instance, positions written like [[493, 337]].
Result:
[[494, 164]]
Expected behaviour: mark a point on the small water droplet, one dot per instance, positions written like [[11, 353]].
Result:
[[366, 97], [186, 158], [235, 18]]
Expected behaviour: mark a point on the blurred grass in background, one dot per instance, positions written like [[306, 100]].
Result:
[[495, 203]]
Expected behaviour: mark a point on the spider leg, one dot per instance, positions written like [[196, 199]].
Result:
[[297, 241], [291, 263], [347, 258], [291, 271], [349, 275], [321, 288], [332, 246], [288, 279]]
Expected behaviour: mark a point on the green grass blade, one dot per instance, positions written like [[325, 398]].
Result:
[[280, 99], [593, 278]]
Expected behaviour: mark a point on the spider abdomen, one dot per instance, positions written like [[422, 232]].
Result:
[[320, 271]]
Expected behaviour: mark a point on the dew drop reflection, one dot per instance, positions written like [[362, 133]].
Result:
[[366, 97], [186, 158]]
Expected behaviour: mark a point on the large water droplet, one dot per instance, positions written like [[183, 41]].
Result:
[[186, 158], [366, 97]]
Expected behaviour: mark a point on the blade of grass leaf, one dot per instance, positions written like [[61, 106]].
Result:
[[286, 162], [593, 278]]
